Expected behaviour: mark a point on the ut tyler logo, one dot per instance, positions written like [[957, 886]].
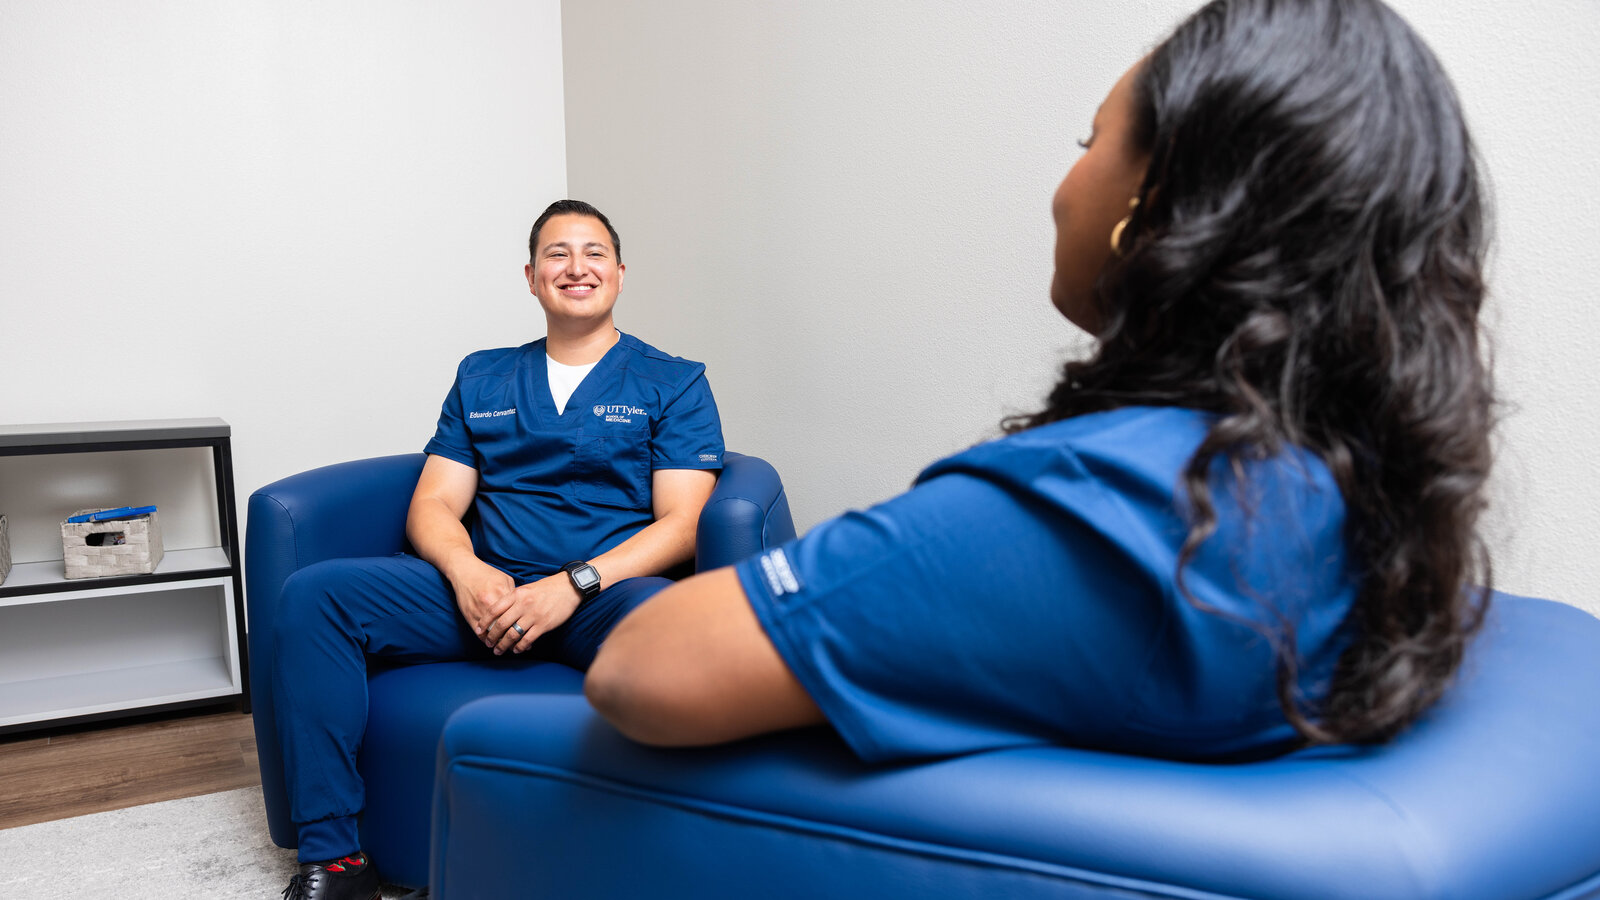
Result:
[[621, 412]]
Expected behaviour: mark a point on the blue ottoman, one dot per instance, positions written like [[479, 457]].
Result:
[[1495, 795]]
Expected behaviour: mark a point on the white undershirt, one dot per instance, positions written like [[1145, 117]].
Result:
[[564, 379]]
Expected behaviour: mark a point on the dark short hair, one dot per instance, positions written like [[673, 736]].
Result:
[[571, 208]]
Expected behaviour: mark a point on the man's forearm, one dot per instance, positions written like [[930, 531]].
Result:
[[662, 544], [441, 539], [678, 497], [438, 536]]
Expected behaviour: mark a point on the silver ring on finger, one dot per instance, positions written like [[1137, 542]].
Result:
[[519, 629]]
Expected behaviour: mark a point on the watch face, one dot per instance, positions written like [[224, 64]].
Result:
[[585, 577]]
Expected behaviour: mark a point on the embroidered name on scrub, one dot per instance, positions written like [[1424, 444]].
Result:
[[622, 413], [489, 414]]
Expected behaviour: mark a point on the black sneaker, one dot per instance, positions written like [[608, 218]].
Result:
[[351, 878]]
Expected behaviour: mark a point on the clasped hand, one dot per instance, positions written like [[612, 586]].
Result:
[[491, 602]]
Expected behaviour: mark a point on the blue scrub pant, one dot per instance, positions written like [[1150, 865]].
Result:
[[334, 615]]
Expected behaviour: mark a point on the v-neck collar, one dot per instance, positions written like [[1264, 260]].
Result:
[[582, 394]]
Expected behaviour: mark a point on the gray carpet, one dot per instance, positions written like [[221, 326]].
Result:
[[211, 846]]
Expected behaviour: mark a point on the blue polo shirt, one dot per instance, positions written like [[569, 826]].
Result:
[[1023, 592], [555, 488]]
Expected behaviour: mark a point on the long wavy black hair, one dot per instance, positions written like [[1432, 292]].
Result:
[[1306, 263]]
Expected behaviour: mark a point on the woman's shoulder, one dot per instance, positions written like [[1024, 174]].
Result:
[[1116, 432], [1154, 439], [1136, 452]]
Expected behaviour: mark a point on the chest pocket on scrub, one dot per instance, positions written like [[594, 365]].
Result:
[[612, 468]]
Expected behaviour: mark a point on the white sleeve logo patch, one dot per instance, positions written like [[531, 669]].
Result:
[[781, 577]]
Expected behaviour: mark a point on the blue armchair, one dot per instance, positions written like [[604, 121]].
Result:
[[358, 509]]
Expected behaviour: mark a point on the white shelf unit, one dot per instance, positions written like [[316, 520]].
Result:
[[76, 650]]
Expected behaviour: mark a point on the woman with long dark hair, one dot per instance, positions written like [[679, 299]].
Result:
[[1247, 521]]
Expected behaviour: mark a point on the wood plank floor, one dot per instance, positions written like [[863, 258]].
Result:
[[88, 770]]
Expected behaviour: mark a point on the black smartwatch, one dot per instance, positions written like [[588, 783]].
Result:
[[585, 578]]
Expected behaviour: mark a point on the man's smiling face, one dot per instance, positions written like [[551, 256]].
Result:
[[575, 275]]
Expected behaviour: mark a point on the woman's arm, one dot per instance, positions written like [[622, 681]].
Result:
[[693, 666]]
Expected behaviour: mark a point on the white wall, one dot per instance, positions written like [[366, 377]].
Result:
[[844, 210], [296, 216]]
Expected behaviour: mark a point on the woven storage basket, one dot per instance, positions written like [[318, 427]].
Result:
[[87, 556], [5, 551]]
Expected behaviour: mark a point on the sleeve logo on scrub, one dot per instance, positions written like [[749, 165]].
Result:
[[781, 577]]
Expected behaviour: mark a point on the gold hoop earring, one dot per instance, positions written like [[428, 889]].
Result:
[[1117, 229]]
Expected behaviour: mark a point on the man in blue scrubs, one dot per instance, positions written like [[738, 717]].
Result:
[[585, 458]]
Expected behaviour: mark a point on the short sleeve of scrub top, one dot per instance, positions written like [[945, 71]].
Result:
[[689, 433], [1023, 593], [450, 437]]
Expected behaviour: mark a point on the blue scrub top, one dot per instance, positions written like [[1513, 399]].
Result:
[[556, 488], [1023, 593]]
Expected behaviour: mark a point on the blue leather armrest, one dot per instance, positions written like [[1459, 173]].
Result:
[[747, 513], [348, 509]]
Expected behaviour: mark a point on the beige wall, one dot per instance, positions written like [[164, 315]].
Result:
[[843, 209]]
